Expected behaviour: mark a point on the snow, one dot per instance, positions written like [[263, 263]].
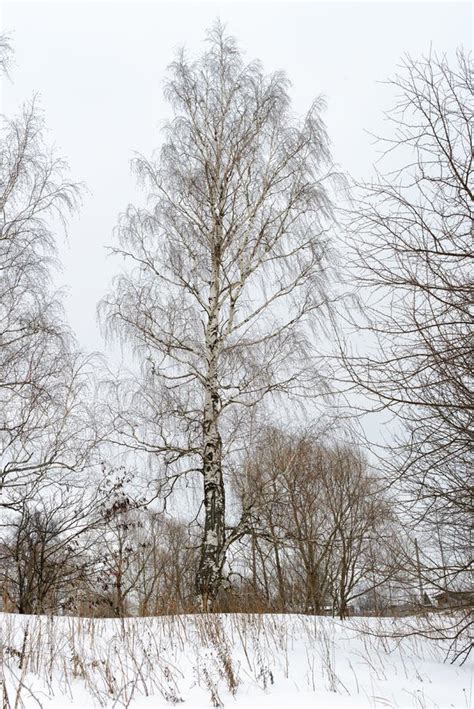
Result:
[[226, 660]]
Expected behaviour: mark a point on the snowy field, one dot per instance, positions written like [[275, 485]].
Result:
[[233, 660]]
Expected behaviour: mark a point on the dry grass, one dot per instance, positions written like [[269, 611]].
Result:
[[114, 663]]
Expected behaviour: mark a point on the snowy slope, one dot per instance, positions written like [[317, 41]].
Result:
[[233, 660]]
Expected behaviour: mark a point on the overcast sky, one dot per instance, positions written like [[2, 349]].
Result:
[[99, 67]]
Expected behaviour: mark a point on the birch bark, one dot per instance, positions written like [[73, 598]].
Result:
[[209, 574]]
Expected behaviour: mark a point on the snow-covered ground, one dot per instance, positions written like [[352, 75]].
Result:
[[226, 660]]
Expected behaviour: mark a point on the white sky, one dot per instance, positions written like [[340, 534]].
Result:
[[98, 68]]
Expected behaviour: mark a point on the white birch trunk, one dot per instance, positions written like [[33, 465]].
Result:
[[209, 574]]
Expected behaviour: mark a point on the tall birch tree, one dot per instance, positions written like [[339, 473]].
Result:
[[227, 273]]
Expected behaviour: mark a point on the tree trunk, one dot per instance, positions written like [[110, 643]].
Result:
[[209, 574], [281, 583]]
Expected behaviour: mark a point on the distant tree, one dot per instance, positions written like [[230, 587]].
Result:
[[228, 273], [320, 519], [117, 547], [43, 559], [144, 559]]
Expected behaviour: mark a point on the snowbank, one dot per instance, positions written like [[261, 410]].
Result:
[[225, 660]]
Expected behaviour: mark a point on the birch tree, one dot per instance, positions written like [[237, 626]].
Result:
[[227, 273], [44, 426]]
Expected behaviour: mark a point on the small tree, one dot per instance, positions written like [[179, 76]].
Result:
[[229, 273]]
